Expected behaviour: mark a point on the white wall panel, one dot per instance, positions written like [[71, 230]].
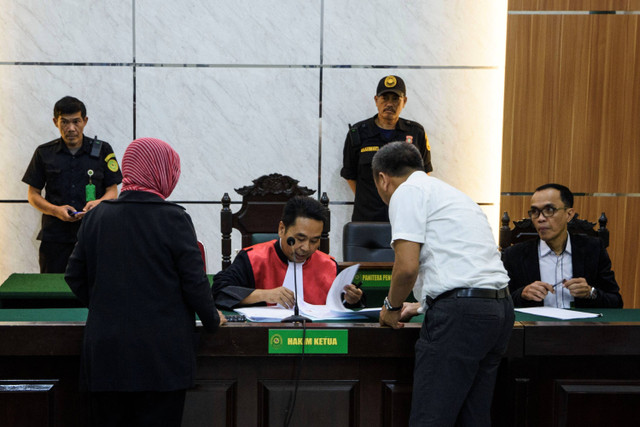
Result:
[[232, 126], [272, 81], [415, 32], [66, 31], [26, 112], [228, 32]]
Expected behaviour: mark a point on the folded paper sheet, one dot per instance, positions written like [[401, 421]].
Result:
[[332, 310], [558, 313]]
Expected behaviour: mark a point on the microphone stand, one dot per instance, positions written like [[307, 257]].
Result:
[[296, 318]]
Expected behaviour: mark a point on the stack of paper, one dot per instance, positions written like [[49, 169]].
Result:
[[332, 310]]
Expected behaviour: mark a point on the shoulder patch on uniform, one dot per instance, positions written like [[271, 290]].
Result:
[[410, 123], [427, 139], [110, 156], [112, 165]]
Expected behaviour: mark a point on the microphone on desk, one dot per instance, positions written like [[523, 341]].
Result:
[[296, 318]]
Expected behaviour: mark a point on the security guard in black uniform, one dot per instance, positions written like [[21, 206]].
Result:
[[78, 173], [365, 138]]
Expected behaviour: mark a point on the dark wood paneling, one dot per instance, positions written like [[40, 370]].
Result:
[[543, 338], [577, 403], [314, 403], [211, 403], [396, 403], [243, 385], [27, 403]]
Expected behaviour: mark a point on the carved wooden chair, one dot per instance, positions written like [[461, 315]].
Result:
[[262, 205], [524, 230]]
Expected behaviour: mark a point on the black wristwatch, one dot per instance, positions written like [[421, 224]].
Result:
[[388, 305]]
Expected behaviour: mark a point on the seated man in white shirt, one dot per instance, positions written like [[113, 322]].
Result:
[[558, 269]]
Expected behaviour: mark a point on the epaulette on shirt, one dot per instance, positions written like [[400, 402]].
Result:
[[358, 131], [409, 123]]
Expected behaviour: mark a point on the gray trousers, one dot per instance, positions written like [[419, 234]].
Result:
[[461, 343]]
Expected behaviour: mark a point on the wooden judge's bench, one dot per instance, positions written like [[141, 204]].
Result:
[[555, 373]]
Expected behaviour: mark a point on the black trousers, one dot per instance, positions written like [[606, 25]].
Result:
[[53, 256], [140, 409], [461, 343]]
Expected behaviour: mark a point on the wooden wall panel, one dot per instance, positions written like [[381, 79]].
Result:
[[588, 5], [624, 227], [572, 103], [572, 116], [526, 143]]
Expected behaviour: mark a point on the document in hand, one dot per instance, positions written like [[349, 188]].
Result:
[[333, 309]]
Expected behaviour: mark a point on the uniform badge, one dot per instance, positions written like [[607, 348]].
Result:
[[112, 163], [409, 139], [390, 81]]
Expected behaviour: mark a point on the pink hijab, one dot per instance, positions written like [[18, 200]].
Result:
[[150, 165]]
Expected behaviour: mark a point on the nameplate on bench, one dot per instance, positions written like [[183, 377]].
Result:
[[316, 341]]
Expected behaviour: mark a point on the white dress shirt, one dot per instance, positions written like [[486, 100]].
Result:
[[458, 249], [554, 269]]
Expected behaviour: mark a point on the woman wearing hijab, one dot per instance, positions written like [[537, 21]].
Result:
[[138, 268]]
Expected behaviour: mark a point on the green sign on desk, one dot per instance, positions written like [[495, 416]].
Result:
[[316, 341], [373, 278]]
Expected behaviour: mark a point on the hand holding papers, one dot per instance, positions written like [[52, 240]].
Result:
[[333, 309]]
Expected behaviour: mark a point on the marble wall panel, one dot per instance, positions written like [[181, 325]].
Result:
[[232, 126], [206, 221], [459, 109], [28, 96], [236, 32], [415, 32], [254, 108], [19, 226], [66, 31], [340, 215]]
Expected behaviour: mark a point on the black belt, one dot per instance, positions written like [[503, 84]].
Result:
[[471, 293]]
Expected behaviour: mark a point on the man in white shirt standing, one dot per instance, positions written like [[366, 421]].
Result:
[[445, 251]]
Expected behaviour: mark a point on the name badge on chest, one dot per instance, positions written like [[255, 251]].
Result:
[[90, 189]]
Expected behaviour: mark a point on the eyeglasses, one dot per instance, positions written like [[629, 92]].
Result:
[[548, 211]]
